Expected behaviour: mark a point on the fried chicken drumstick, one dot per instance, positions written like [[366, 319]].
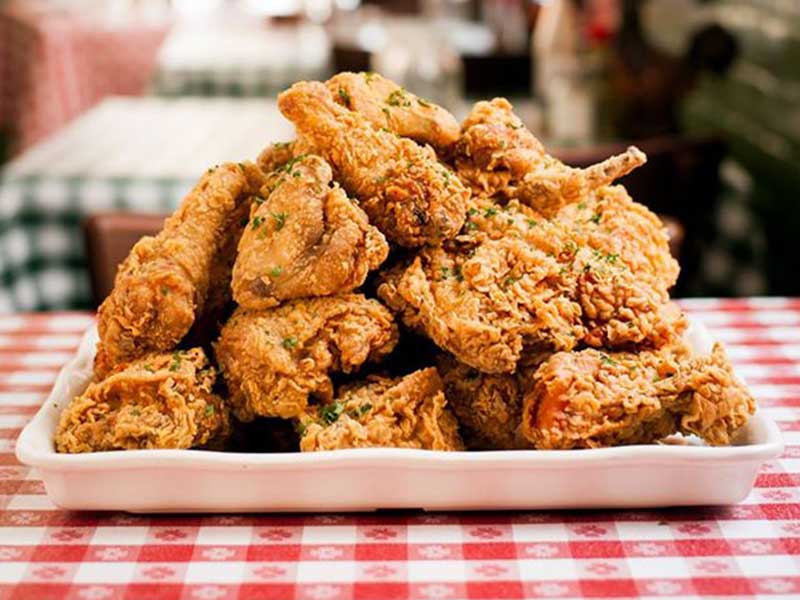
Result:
[[273, 360], [406, 192], [158, 401], [164, 285], [405, 412], [304, 239]]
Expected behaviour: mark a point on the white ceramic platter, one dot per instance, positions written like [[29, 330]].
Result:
[[373, 478]]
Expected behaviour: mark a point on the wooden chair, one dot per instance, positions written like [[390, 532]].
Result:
[[109, 238]]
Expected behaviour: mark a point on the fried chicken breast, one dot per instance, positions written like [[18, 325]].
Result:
[[158, 401], [304, 239], [591, 398], [406, 192], [274, 359], [385, 104], [498, 156], [514, 282], [405, 412], [164, 285]]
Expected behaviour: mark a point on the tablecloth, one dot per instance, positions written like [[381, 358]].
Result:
[[743, 551], [127, 154], [55, 64]]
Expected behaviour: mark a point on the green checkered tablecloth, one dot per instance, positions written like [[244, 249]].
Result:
[[128, 154], [42, 251]]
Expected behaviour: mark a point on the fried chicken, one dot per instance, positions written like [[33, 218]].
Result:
[[306, 239], [158, 401], [407, 194], [274, 359], [498, 156], [164, 285], [590, 399], [488, 407], [514, 282], [385, 104], [405, 412]]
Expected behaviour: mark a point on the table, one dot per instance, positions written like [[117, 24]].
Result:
[[243, 58], [127, 154], [748, 550], [55, 64]]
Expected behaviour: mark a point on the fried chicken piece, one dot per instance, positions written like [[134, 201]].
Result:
[[273, 360], [385, 104], [590, 399], [514, 282], [158, 401], [407, 194], [498, 156], [404, 412], [306, 239], [488, 407], [164, 284]]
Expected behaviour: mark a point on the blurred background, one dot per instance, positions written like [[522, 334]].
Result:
[[111, 109]]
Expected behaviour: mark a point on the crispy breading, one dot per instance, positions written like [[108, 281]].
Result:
[[164, 285], [514, 282], [404, 412], [488, 407], [158, 401], [498, 156], [591, 398], [274, 359], [385, 104], [304, 239], [406, 192]]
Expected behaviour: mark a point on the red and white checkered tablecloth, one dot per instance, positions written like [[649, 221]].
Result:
[[749, 550]]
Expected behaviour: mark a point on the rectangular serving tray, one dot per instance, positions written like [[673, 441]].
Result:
[[383, 478]]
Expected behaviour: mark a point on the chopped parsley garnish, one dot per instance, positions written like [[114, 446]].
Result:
[[510, 281], [280, 220], [422, 102], [581, 205], [398, 98], [330, 412], [490, 212], [368, 75], [275, 271], [257, 221], [472, 211], [595, 218], [209, 410], [607, 360], [176, 361], [136, 412], [289, 342], [470, 225], [164, 291], [612, 258], [344, 97], [149, 368], [360, 411], [387, 113], [531, 223], [300, 428]]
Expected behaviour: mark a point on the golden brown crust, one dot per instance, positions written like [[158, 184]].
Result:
[[158, 401], [406, 412], [591, 399], [274, 359], [165, 283], [304, 239], [385, 104], [407, 194], [515, 282], [498, 156]]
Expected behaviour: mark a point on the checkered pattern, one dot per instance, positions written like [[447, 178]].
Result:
[[749, 550], [42, 252]]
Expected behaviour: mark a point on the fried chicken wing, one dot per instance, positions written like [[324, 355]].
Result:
[[405, 412], [273, 360], [591, 399], [158, 401], [407, 194], [514, 282], [306, 239], [385, 104], [488, 407], [498, 156], [165, 284]]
